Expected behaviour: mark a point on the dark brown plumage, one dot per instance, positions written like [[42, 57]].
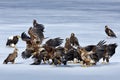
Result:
[[35, 33], [109, 32], [67, 44], [11, 57], [27, 53], [40, 27], [32, 34], [54, 42], [91, 54], [85, 56], [74, 40], [97, 52], [32, 43], [109, 51], [70, 55]]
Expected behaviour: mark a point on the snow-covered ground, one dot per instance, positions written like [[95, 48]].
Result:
[[86, 18]]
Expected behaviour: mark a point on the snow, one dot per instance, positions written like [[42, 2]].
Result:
[[86, 18]]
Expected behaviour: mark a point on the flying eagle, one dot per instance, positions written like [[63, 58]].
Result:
[[109, 32], [12, 41], [74, 40]]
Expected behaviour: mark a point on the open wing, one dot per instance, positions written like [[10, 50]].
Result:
[[54, 42], [25, 37]]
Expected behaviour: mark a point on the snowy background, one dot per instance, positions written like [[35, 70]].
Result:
[[86, 18]]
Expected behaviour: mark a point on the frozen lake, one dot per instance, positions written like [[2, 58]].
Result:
[[86, 18]]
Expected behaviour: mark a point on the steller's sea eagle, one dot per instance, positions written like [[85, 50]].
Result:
[[12, 40]]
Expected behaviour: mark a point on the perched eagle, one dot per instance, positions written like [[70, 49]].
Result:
[[74, 40], [38, 26], [54, 42], [11, 57], [67, 44], [12, 41], [105, 52], [109, 32]]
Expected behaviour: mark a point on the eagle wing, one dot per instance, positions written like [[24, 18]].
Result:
[[111, 33], [40, 27], [39, 33], [54, 42], [27, 54], [25, 37]]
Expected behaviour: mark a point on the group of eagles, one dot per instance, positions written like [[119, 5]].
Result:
[[53, 53]]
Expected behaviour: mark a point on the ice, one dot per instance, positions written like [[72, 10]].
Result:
[[86, 18]]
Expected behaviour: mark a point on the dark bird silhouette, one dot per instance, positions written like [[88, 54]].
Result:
[[39, 33], [93, 47], [111, 49], [12, 41], [105, 52], [70, 56], [74, 40], [54, 42], [25, 37], [91, 54], [40, 27], [35, 33], [27, 53], [109, 32]]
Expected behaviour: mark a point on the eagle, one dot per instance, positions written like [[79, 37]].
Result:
[[68, 45], [35, 33], [11, 57], [104, 52], [32, 43], [38, 26], [12, 40], [99, 51], [110, 32], [25, 37], [74, 40]]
